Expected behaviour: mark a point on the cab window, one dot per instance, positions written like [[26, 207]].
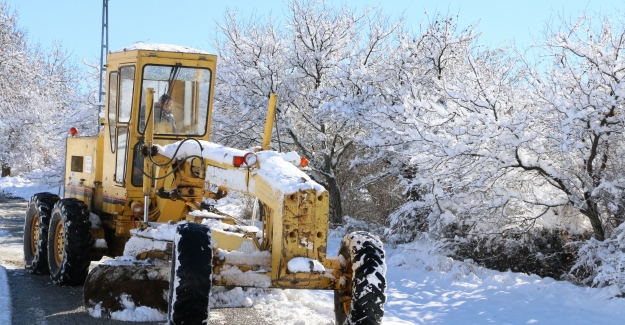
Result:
[[124, 103], [112, 103], [180, 101]]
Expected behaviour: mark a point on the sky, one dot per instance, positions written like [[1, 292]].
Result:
[[77, 24]]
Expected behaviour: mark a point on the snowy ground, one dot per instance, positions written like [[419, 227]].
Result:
[[5, 298], [422, 289]]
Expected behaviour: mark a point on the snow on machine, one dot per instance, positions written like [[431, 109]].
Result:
[[135, 193]]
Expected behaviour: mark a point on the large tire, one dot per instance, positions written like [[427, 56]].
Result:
[[361, 300], [36, 232], [191, 275], [69, 242]]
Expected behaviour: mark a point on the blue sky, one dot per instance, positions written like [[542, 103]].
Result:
[[77, 23]]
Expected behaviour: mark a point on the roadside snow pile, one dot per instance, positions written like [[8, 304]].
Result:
[[5, 298], [131, 313], [426, 288], [237, 297], [137, 314], [35, 182], [297, 307]]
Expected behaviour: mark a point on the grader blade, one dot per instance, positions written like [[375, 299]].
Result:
[[110, 287]]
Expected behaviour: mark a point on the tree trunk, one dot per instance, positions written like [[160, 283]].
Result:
[[6, 171], [592, 212], [336, 206]]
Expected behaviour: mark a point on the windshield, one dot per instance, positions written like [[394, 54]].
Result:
[[180, 99]]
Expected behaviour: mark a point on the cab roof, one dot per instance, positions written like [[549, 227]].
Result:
[[160, 48]]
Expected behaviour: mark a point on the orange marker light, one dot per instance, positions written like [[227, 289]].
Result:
[[237, 161]]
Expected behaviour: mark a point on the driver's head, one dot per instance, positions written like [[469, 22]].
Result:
[[165, 100]]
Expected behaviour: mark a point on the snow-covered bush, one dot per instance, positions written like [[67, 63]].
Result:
[[542, 252], [602, 264], [352, 224], [407, 222]]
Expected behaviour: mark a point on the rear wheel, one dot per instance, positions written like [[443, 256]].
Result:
[[191, 275], [361, 297], [69, 242], [36, 232]]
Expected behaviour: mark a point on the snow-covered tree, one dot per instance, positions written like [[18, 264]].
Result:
[[580, 100], [496, 144], [414, 122], [41, 99], [15, 73], [315, 65]]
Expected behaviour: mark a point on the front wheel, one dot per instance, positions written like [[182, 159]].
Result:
[[191, 275], [36, 232], [69, 242], [360, 301]]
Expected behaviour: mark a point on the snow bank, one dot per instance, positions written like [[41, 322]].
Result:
[[130, 313], [237, 297], [297, 307], [159, 47], [5, 298], [25, 186], [426, 288]]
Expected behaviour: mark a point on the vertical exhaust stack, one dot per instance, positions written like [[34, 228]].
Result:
[[271, 115]]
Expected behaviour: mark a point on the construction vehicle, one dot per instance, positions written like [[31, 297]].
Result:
[[136, 193]]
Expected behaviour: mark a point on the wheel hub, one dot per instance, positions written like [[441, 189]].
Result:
[[59, 238], [34, 234]]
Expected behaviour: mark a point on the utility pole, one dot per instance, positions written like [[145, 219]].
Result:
[[103, 51]]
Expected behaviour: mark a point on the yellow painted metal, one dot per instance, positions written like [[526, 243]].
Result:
[[300, 229], [271, 114], [81, 168], [228, 241], [294, 224], [139, 59], [149, 137]]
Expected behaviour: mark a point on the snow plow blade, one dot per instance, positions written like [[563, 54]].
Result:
[[110, 287]]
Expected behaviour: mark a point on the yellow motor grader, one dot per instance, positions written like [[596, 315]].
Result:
[[136, 193]]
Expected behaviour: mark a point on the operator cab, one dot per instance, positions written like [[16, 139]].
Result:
[[182, 79]]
